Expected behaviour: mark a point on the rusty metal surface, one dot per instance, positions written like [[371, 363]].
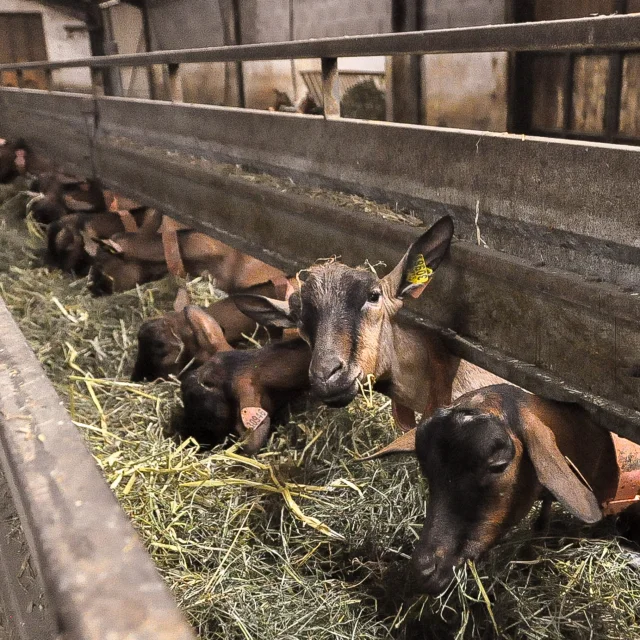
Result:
[[603, 33], [99, 580]]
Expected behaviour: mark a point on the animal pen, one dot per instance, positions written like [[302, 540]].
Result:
[[542, 288]]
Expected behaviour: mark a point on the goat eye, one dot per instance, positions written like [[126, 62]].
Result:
[[498, 467], [374, 297]]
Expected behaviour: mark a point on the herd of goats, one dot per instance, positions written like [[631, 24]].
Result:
[[488, 449]]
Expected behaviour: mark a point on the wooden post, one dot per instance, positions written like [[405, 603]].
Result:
[[175, 84], [331, 87]]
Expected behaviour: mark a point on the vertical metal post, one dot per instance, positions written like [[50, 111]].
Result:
[[567, 116], [19, 78], [97, 81], [237, 36], [613, 94], [146, 25], [175, 84], [48, 79], [330, 87], [294, 78], [405, 91]]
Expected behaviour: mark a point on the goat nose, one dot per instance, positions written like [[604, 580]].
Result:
[[427, 569], [334, 369]]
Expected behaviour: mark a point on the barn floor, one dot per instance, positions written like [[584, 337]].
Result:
[[302, 541]]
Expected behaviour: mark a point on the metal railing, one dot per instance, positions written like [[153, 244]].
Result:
[[603, 33]]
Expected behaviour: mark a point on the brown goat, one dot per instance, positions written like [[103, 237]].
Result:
[[126, 260], [15, 160], [349, 318], [239, 391], [166, 345], [491, 455], [71, 242]]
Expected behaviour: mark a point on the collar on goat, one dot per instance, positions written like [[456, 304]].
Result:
[[627, 490], [171, 248], [128, 221], [282, 286]]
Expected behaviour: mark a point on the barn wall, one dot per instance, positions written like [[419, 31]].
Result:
[[61, 45], [465, 90], [178, 24], [129, 34], [183, 24]]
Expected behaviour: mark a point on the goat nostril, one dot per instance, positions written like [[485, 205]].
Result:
[[427, 569], [334, 369]]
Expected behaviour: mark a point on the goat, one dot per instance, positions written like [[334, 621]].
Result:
[[238, 392], [125, 260], [495, 451], [349, 318], [71, 241], [15, 160], [168, 344]]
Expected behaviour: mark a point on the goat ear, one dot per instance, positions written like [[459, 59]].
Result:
[[406, 443], [207, 331], [110, 246], [413, 273], [553, 471], [265, 311], [90, 245], [182, 300]]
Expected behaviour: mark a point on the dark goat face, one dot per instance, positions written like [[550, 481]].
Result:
[[209, 417], [345, 314], [473, 469], [111, 272], [341, 316], [160, 350]]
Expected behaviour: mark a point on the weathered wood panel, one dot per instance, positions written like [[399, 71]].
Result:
[[59, 125]]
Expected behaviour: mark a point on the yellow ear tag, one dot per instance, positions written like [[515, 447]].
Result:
[[420, 273]]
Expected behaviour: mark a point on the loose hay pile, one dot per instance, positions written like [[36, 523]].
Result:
[[302, 542]]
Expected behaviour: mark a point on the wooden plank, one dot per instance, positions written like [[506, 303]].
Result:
[[553, 322]]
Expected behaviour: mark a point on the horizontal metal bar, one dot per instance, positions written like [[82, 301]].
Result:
[[602, 33], [100, 582]]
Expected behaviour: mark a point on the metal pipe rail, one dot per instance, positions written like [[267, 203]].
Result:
[[579, 34], [602, 33]]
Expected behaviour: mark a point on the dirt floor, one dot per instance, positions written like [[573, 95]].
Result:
[[303, 541]]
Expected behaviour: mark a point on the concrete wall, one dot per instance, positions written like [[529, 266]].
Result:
[[129, 34], [61, 44], [178, 24], [468, 91], [183, 24]]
